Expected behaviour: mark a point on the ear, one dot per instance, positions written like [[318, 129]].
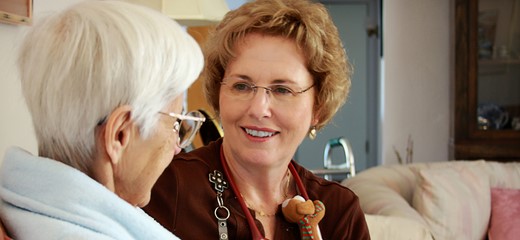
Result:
[[119, 130], [315, 118], [314, 122]]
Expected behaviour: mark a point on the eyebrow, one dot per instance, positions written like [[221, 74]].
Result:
[[275, 81], [243, 77]]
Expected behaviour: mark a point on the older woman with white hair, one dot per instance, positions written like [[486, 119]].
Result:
[[104, 83]]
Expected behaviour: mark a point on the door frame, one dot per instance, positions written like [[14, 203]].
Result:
[[375, 105]]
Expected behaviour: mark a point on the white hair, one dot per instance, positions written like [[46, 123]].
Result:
[[79, 65]]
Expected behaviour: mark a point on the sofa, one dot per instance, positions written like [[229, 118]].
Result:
[[440, 200]]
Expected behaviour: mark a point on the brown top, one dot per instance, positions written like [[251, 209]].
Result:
[[184, 201]]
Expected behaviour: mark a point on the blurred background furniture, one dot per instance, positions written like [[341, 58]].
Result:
[[210, 129], [436, 200], [334, 169], [487, 72]]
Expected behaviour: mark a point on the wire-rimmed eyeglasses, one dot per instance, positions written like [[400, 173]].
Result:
[[186, 125], [242, 89]]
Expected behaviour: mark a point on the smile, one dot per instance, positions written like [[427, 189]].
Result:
[[256, 133]]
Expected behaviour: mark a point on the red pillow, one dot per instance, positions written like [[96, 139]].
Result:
[[505, 214]]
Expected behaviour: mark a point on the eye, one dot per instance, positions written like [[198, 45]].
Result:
[[242, 87], [282, 90]]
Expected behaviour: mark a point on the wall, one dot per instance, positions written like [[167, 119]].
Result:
[[417, 78], [15, 123]]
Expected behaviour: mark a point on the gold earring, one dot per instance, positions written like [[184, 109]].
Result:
[[312, 133]]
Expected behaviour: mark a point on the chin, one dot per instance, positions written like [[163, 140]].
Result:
[[145, 201], [142, 201]]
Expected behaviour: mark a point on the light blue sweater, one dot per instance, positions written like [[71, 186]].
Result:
[[42, 198]]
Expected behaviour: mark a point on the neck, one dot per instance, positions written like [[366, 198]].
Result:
[[269, 187], [266, 205], [262, 189]]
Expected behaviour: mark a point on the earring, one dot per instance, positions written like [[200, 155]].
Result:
[[312, 133]]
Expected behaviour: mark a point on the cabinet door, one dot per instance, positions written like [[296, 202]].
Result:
[[487, 87]]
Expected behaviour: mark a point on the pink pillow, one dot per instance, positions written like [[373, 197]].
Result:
[[505, 214]]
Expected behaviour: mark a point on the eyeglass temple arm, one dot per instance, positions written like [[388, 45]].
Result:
[[181, 117]]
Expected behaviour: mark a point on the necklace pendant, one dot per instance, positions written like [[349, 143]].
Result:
[[217, 178], [222, 230], [262, 214]]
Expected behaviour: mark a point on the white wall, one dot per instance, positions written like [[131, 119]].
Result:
[[417, 79], [418, 72], [15, 123]]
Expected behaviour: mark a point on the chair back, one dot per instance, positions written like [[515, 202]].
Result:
[[210, 129]]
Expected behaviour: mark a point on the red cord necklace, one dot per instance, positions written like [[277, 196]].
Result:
[[250, 220]]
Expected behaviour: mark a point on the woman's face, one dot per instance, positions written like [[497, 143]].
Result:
[[266, 129], [145, 160]]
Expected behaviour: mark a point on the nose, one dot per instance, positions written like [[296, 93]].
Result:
[[267, 90], [177, 149], [260, 105]]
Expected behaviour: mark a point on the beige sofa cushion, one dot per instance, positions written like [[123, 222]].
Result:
[[455, 201], [504, 175]]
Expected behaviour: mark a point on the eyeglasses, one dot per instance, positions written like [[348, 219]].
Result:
[[241, 89], [186, 125]]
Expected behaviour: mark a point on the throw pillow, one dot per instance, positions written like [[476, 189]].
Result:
[[505, 214], [455, 202]]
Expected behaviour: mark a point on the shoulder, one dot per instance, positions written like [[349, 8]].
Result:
[[318, 186], [203, 158], [329, 192], [188, 169], [344, 218]]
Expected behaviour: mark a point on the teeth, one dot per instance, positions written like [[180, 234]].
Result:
[[256, 133]]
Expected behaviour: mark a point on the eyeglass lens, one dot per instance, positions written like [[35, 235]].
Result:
[[188, 129]]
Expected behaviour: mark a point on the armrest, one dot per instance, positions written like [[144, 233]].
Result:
[[391, 227], [386, 191]]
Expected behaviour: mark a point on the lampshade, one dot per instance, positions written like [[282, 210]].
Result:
[[189, 12]]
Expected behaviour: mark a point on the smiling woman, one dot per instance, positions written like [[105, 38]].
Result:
[[276, 71]]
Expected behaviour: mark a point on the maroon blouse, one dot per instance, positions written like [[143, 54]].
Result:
[[184, 200]]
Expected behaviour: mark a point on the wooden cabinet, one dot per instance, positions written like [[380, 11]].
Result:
[[487, 80]]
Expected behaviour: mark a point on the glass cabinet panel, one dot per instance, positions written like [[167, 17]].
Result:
[[498, 78], [487, 80]]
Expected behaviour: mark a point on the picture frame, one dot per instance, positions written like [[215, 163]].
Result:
[[16, 12]]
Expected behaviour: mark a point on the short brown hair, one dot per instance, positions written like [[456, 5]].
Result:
[[308, 24]]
